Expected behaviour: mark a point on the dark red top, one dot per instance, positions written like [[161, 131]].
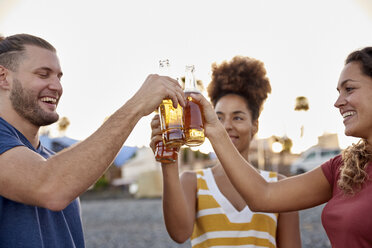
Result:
[[347, 219]]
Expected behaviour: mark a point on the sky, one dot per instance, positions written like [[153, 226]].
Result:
[[107, 49]]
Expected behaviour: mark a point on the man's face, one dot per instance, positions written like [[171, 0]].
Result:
[[36, 87]]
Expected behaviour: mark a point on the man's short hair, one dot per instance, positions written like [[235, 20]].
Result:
[[12, 48]]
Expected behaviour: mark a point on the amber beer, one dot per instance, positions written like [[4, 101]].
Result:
[[163, 154], [171, 122], [193, 121], [194, 129]]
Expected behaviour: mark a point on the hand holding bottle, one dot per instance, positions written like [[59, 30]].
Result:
[[171, 117], [154, 90], [155, 132], [212, 126], [162, 153]]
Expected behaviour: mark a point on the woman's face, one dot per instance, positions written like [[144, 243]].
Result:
[[355, 101], [234, 114]]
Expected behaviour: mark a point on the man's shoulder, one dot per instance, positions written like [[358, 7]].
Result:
[[9, 138], [6, 129]]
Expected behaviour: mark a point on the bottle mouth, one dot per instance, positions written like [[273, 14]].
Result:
[[190, 68]]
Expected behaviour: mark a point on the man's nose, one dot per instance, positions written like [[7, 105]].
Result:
[[56, 85]]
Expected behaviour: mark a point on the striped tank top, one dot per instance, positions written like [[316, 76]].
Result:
[[219, 224]]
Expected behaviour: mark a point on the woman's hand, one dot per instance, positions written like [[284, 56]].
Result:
[[211, 123], [155, 132]]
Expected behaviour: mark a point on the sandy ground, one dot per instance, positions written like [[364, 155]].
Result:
[[138, 223]]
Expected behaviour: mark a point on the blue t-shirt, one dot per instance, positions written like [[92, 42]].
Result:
[[30, 226]]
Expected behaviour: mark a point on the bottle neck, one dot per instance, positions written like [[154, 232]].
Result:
[[190, 81]]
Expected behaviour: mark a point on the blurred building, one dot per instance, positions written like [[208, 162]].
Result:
[[265, 157], [136, 169]]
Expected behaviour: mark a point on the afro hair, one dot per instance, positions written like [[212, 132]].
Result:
[[242, 76]]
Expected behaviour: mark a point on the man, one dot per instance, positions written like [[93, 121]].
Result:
[[39, 204]]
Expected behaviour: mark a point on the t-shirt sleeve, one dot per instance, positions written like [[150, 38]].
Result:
[[8, 141], [330, 169]]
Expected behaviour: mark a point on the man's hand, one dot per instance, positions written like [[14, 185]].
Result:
[[154, 90]]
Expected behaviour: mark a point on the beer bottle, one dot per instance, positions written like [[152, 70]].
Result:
[[165, 154], [171, 119], [171, 122], [193, 121]]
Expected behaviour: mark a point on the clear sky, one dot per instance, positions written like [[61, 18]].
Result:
[[107, 48]]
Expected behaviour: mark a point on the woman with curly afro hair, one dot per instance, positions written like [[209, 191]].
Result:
[[344, 182], [203, 205]]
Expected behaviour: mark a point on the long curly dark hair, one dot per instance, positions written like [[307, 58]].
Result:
[[356, 157], [242, 76]]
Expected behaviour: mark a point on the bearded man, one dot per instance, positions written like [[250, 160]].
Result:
[[39, 204]]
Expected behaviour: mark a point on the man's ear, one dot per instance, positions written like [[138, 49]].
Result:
[[4, 84]]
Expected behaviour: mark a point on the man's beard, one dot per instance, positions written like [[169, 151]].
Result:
[[25, 103]]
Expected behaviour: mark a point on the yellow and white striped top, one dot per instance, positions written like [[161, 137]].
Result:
[[219, 224]]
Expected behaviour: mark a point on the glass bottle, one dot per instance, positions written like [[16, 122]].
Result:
[[193, 120], [165, 154], [171, 119]]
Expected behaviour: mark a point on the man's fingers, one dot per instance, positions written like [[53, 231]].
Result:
[[174, 101], [181, 98], [177, 97], [174, 82], [175, 92]]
